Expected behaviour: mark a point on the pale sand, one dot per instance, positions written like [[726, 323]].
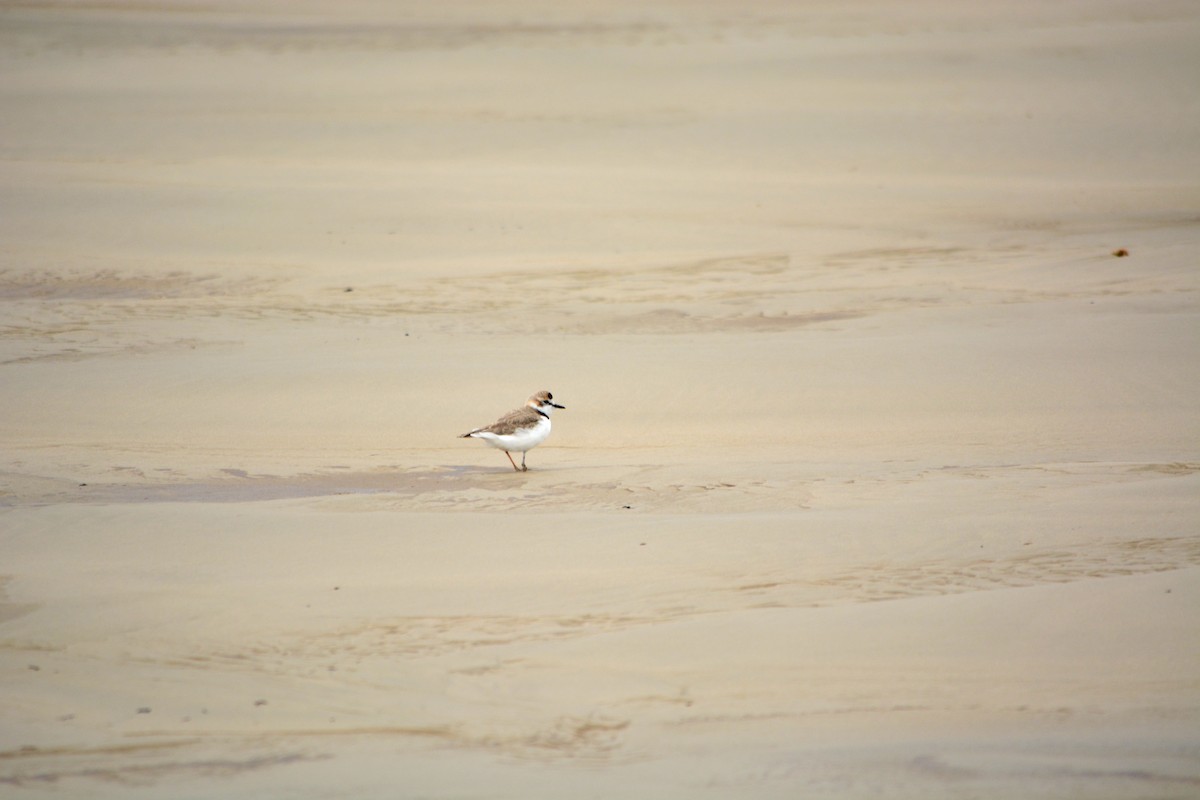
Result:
[[878, 474]]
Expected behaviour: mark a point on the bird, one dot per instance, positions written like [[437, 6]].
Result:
[[520, 430]]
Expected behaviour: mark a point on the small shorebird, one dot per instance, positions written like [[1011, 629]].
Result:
[[520, 430]]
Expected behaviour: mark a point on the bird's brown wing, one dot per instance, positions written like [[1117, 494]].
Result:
[[517, 418]]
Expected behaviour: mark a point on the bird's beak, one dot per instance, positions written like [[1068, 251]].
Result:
[[556, 405]]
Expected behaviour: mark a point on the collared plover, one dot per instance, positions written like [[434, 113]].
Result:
[[520, 430]]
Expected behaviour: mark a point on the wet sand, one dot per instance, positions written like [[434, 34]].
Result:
[[876, 329]]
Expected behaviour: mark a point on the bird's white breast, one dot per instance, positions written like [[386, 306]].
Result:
[[520, 440]]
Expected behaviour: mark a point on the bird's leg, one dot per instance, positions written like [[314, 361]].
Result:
[[523, 467], [515, 467]]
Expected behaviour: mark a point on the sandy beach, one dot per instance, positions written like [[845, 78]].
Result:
[[878, 331]]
